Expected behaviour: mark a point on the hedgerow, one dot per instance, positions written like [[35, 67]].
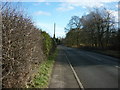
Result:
[[24, 47]]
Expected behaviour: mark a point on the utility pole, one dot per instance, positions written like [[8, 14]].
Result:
[[54, 30]]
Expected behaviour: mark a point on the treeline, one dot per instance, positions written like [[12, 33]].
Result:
[[24, 47], [96, 29]]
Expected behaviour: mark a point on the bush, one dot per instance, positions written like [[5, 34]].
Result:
[[47, 43], [21, 48], [24, 47]]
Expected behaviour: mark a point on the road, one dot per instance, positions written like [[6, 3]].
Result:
[[92, 69]]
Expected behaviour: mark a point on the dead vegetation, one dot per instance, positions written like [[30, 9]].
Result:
[[22, 45]]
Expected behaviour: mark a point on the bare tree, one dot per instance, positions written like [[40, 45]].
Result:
[[94, 29], [75, 24]]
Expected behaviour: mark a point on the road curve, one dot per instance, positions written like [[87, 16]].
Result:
[[93, 69]]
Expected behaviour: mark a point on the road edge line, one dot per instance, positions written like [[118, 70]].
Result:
[[75, 74]]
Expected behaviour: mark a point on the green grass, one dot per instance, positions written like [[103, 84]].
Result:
[[41, 80]]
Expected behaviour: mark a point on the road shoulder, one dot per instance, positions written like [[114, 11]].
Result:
[[62, 76]]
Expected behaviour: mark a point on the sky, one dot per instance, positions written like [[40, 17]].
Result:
[[45, 13]]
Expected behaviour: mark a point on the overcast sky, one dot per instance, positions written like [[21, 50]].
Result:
[[45, 12]]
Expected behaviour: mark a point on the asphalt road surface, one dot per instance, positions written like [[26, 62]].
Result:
[[92, 69]]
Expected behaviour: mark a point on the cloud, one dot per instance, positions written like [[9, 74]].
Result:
[[42, 13], [68, 5], [118, 5], [115, 14], [106, 1], [36, 4], [65, 7], [47, 3]]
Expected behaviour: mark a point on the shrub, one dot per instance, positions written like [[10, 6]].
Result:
[[47, 43], [21, 48]]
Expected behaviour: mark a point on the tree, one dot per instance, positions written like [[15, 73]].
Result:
[[93, 29], [74, 24]]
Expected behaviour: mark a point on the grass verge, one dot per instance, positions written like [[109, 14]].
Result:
[[41, 80]]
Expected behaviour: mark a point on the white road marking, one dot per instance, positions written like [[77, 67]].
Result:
[[117, 66], [75, 74]]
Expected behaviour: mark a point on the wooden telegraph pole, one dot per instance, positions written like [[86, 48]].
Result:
[[54, 30]]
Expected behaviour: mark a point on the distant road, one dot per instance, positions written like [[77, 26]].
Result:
[[93, 70]]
